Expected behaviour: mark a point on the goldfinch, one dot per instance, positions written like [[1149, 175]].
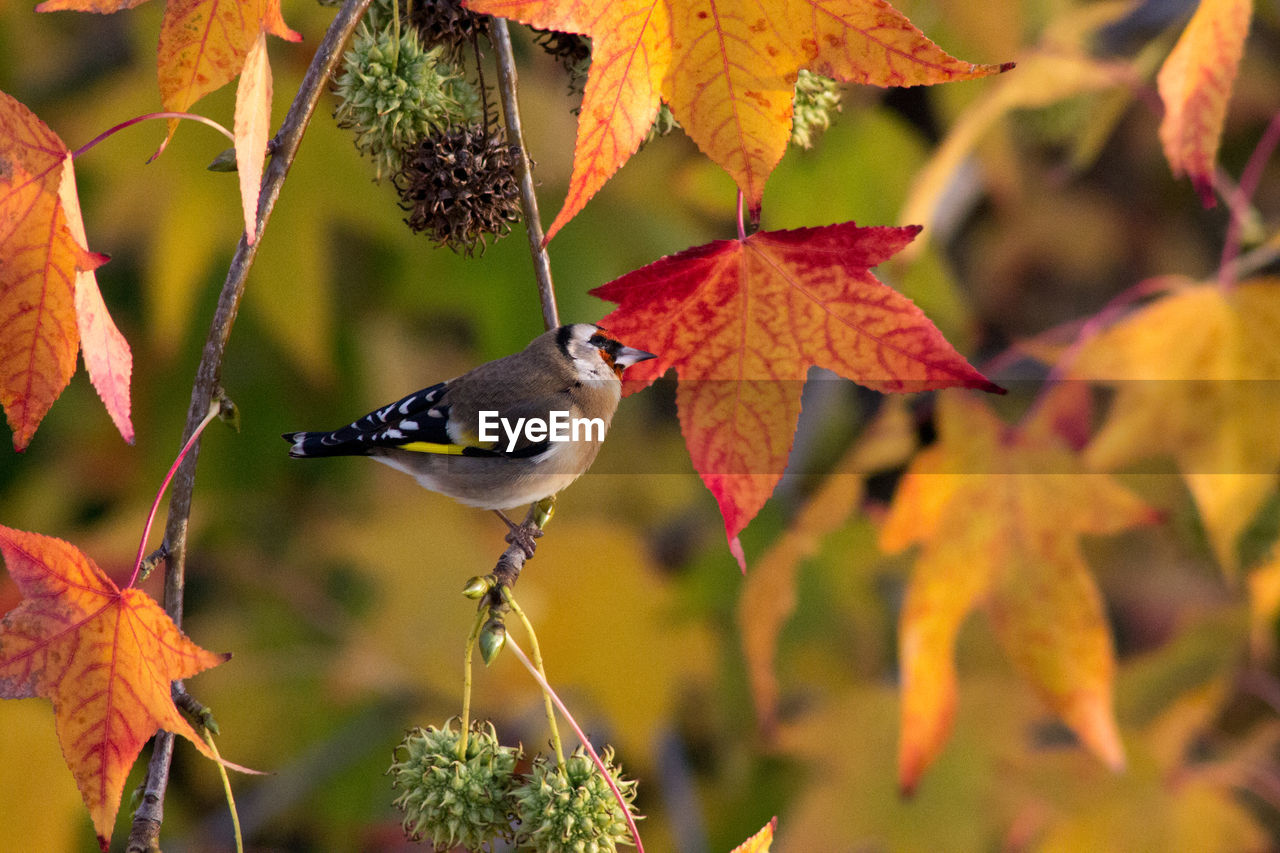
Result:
[[507, 433]]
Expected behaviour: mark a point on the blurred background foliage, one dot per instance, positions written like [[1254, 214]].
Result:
[[336, 585]]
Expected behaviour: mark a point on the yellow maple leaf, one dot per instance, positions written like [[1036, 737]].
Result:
[[727, 70], [1194, 374], [999, 512]]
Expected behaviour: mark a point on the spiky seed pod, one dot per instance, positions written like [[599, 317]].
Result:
[[447, 24], [663, 123], [570, 809], [816, 98], [460, 185], [449, 801], [394, 92], [571, 50]]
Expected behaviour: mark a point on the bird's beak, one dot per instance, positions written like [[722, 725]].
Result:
[[627, 356]]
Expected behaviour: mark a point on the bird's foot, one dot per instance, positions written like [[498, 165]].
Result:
[[522, 535]]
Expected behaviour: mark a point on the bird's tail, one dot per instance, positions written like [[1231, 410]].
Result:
[[307, 444]]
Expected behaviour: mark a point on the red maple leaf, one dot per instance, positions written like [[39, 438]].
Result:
[[742, 321]]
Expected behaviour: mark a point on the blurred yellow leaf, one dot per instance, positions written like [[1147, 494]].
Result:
[[1044, 76], [769, 595], [1264, 605], [41, 808], [1194, 374], [999, 511]]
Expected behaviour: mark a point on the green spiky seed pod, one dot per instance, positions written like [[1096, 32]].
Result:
[[570, 809], [392, 93], [663, 123], [816, 98], [452, 802], [459, 186]]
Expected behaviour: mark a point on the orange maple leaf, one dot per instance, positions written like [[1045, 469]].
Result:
[[727, 71], [742, 321], [1195, 84], [107, 356], [1195, 373], [999, 511], [253, 123], [104, 656], [48, 293], [204, 44]]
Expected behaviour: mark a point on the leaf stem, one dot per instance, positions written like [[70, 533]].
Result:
[[226, 788], [577, 730], [147, 819], [742, 229], [482, 614], [507, 87], [122, 125], [537, 662], [215, 408], [1239, 202]]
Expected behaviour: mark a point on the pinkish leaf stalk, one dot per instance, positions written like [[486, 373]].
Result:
[[122, 125], [595, 757], [214, 409], [1238, 202]]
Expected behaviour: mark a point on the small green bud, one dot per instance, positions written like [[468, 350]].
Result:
[[544, 510], [493, 636], [478, 587], [224, 162]]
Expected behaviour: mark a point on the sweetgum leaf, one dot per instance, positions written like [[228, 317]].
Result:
[[204, 44], [727, 71], [742, 321], [1195, 374], [48, 294], [1195, 84], [999, 512], [104, 657]]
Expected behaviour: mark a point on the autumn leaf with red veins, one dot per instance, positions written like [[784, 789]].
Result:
[[742, 321], [999, 512], [1195, 84], [726, 69], [204, 44], [50, 304], [104, 656]]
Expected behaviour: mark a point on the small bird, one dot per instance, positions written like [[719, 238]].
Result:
[[477, 439]]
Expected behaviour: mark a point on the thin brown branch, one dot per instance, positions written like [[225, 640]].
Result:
[[507, 570], [147, 819], [507, 88]]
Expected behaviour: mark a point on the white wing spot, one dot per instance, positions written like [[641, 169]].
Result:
[[409, 425]]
